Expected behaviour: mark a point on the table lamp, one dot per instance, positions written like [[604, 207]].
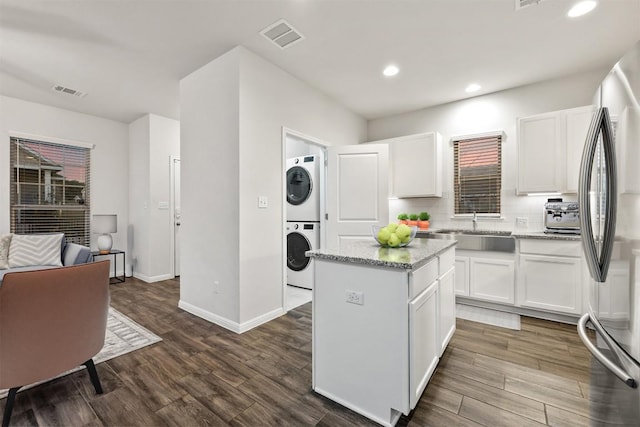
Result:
[[104, 225]]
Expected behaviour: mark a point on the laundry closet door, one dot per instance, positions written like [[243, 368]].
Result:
[[357, 191]]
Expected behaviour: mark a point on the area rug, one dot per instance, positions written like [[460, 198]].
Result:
[[123, 336]]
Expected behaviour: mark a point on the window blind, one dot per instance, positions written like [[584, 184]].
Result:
[[477, 177], [50, 189]]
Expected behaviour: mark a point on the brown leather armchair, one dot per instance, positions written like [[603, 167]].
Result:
[[51, 321]]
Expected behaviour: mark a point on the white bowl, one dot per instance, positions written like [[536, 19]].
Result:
[[375, 229]]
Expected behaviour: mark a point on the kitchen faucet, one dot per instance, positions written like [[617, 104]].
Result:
[[475, 220]]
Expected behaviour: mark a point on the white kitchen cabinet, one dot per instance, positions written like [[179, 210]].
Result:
[[447, 309], [550, 276], [628, 129], [416, 165], [550, 149], [462, 276], [578, 121], [423, 340], [539, 153], [613, 295], [492, 279]]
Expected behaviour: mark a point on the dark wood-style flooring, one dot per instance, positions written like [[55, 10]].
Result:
[[202, 374]]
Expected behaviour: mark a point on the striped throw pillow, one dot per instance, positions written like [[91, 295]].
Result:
[[5, 241], [35, 249]]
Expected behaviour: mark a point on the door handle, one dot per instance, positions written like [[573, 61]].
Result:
[[598, 263], [610, 365]]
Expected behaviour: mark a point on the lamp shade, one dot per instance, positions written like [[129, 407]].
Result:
[[105, 224]]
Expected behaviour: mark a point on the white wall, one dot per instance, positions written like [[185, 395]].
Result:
[[241, 132], [109, 159], [139, 184], [152, 141], [497, 111], [209, 164], [298, 147]]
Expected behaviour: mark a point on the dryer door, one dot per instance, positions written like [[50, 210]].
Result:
[[299, 185], [297, 245]]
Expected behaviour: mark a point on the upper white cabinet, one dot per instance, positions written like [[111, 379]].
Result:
[[578, 121], [550, 149], [416, 165]]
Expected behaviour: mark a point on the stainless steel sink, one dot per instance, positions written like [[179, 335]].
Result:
[[498, 241]]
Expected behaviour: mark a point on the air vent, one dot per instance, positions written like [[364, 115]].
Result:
[[69, 91], [282, 34], [521, 4]]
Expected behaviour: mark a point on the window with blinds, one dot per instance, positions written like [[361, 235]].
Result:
[[477, 177], [50, 189]]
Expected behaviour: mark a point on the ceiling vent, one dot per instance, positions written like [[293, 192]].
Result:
[[69, 91], [521, 4], [282, 34]]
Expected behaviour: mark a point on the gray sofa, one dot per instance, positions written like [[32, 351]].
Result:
[[72, 254]]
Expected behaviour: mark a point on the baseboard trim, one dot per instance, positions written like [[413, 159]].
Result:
[[264, 318], [571, 319], [151, 279], [236, 327]]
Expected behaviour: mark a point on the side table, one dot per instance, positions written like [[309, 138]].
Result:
[[114, 254]]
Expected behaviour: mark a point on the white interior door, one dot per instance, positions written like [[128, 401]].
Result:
[[357, 191], [176, 217]]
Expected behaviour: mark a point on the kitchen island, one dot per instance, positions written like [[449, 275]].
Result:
[[382, 318]]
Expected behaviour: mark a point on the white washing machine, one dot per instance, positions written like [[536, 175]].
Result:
[[303, 188], [301, 237]]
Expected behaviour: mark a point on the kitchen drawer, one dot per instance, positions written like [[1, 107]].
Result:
[[447, 259], [551, 247], [421, 278]]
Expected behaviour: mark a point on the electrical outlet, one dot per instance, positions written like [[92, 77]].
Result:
[[355, 297], [263, 202], [522, 221]]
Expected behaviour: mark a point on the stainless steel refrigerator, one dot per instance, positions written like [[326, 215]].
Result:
[[609, 197]]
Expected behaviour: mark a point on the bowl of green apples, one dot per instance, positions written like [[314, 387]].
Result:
[[394, 235]]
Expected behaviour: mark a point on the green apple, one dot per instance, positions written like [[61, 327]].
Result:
[[392, 227], [394, 241], [403, 231], [383, 235], [405, 239]]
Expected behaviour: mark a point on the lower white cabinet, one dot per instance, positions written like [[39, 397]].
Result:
[[462, 276], [613, 295], [550, 276], [447, 308], [550, 283], [424, 349], [492, 279]]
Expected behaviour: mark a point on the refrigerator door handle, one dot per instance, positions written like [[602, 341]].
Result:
[[598, 263], [611, 366]]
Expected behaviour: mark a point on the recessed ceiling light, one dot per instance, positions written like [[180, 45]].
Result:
[[473, 87], [390, 70], [582, 8]]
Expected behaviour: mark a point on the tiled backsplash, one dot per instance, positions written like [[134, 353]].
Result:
[[441, 210]]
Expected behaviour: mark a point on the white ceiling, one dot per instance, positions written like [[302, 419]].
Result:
[[130, 55]]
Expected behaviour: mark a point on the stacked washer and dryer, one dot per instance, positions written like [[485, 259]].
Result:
[[303, 217]]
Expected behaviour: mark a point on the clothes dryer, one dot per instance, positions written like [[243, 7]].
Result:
[[301, 237], [303, 188]]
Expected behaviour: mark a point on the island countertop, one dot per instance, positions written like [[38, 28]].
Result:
[[368, 252]]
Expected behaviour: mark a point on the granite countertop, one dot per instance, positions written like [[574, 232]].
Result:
[[516, 234], [368, 252], [545, 236]]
